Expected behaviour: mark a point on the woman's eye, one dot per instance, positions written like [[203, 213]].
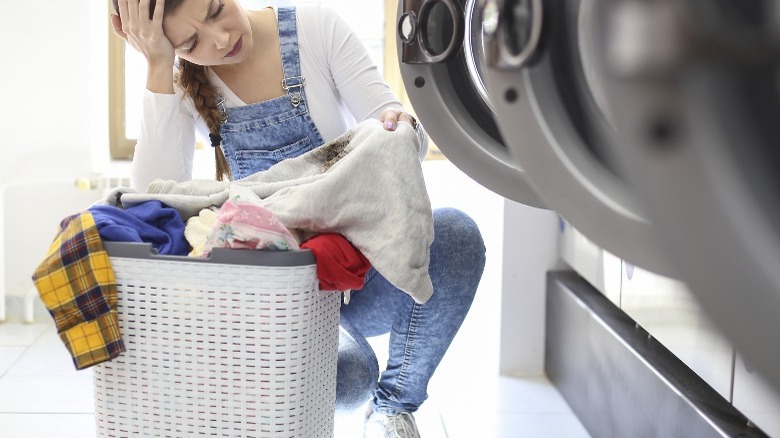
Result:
[[194, 44], [218, 11]]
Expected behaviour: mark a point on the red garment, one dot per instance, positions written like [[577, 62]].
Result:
[[340, 266]]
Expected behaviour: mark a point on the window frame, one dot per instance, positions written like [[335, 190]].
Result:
[[121, 147]]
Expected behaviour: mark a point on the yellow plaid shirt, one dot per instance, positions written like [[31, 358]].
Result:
[[76, 283]]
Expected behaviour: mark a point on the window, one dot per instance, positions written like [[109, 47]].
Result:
[[121, 141], [127, 67]]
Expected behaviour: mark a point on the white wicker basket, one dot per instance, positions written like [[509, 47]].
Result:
[[243, 344]]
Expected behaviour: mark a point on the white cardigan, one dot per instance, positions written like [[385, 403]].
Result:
[[342, 86]]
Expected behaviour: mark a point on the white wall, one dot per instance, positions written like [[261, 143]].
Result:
[[45, 81], [530, 250], [53, 119]]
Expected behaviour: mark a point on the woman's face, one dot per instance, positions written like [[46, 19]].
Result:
[[209, 32]]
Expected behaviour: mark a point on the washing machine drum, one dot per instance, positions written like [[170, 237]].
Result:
[[699, 110], [519, 106]]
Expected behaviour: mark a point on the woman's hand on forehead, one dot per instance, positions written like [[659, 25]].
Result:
[[144, 33]]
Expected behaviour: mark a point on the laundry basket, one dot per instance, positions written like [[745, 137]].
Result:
[[239, 345]]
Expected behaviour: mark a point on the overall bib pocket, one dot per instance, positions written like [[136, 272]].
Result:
[[250, 161]]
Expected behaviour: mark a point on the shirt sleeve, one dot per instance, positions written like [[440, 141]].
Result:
[[166, 141], [355, 76]]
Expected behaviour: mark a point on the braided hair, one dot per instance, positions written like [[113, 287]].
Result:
[[193, 80]]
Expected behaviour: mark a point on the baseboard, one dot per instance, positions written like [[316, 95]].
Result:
[[618, 379]]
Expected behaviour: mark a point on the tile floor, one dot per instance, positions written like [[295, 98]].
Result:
[[41, 395]]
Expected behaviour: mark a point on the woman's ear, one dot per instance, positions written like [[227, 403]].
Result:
[[116, 23]]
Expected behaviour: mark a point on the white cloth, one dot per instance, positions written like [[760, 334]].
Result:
[[366, 185], [342, 86], [198, 230]]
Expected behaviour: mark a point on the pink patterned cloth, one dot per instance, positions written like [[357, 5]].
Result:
[[243, 223]]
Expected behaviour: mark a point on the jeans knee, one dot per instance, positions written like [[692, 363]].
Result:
[[357, 370], [457, 231]]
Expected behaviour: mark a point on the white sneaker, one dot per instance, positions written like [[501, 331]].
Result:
[[390, 426]]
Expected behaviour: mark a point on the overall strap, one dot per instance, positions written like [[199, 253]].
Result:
[[293, 82]]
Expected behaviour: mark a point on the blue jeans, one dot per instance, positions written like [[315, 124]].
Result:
[[419, 333]]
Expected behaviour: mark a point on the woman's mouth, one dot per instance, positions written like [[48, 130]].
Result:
[[236, 48]]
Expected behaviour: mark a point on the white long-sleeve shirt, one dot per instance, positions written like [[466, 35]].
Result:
[[343, 86]]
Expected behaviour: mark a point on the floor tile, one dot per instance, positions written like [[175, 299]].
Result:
[[9, 355], [46, 394], [47, 425], [15, 334], [47, 356], [350, 425], [495, 425], [500, 394], [540, 425]]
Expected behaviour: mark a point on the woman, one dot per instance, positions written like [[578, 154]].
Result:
[[267, 85]]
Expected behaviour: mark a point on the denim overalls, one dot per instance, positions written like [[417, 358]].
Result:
[[257, 136]]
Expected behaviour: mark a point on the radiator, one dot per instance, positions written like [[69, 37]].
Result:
[[30, 213]]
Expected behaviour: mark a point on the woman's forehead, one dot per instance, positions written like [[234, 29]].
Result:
[[177, 24], [196, 8]]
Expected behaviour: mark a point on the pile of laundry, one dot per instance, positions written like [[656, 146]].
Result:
[[355, 202], [242, 222]]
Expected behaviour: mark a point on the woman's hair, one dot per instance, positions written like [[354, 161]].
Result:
[[192, 78]]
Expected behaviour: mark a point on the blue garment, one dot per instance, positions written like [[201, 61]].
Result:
[[257, 136], [152, 222]]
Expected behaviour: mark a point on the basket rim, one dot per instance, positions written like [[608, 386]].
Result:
[[227, 256]]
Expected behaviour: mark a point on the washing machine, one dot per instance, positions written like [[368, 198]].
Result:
[[695, 89], [595, 109], [488, 104], [442, 73]]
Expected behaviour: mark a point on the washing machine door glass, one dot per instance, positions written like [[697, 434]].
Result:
[[442, 63], [546, 85], [474, 51], [699, 111]]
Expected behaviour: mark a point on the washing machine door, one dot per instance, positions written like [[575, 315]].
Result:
[[443, 75], [699, 110], [543, 79]]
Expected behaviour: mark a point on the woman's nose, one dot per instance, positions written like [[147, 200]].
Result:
[[221, 38]]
